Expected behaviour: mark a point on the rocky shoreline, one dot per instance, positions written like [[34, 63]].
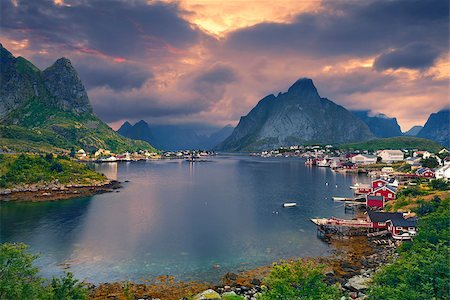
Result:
[[351, 266], [56, 191]]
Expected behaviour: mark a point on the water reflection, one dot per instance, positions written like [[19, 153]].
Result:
[[181, 218]]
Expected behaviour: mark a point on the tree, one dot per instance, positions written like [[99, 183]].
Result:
[[18, 277], [429, 162], [299, 280]]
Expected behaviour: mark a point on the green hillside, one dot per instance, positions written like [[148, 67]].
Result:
[[50, 110], [401, 142]]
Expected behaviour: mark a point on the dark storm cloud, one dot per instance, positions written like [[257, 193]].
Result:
[[413, 56], [352, 28], [211, 84], [111, 107], [114, 28], [116, 76]]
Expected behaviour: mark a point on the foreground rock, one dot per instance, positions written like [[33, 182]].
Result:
[[55, 191]]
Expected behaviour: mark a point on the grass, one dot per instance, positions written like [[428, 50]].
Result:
[[401, 142], [39, 169]]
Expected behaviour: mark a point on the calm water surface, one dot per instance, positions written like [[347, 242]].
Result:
[[178, 218]]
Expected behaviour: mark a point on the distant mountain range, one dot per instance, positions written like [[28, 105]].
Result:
[[176, 137], [413, 131], [50, 109], [437, 128], [298, 116], [381, 125]]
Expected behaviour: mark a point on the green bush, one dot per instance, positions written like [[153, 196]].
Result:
[[422, 270], [19, 278], [439, 184], [298, 280]]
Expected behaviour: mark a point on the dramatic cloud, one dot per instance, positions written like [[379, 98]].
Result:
[[118, 29], [212, 61], [351, 28], [413, 56]]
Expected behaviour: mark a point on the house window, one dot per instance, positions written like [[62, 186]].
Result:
[[398, 228], [390, 195], [379, 183], [378, 194], [411, 228], [381, 223]]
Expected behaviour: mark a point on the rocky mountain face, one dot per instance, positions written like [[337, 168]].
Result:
[[298, 116], [50, 109], [413, 131], [437, 127], [381, 125], [176, 137]]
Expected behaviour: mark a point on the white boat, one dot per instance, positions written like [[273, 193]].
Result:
[[289, 204]]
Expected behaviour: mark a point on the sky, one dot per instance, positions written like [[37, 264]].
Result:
[[211, 61]]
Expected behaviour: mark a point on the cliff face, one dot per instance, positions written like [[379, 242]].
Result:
[[64, 85], [51, 108], [296, 117], [380, 125], [437, 128]]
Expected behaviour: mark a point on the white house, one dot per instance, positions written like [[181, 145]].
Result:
[[423, 154], [390, 156], [442, 172], [364, 159]]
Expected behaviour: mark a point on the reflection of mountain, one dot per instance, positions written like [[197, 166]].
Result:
[[44, 226], [176, 137]]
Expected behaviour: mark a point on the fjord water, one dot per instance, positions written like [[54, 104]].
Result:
[[195, 221]]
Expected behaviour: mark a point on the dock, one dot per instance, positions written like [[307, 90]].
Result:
[[360, 223]]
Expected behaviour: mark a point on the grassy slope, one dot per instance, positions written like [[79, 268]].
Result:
[[402, 142], [33, 169]]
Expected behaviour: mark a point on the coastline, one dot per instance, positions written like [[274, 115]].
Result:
[[351, 265], [56, 192]]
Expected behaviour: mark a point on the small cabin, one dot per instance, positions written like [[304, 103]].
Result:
[[402, 229], [374, 202], [425, 173]]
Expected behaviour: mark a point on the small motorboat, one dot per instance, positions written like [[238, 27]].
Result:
[[289, 204]]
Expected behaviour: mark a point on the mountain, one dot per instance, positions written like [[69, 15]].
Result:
[[176, 137], [296, 117], [413, 131], [381, 125], [50, 109], [437, 127]]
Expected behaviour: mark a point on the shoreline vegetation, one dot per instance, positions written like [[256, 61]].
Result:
[[359, 268], [29, 177]]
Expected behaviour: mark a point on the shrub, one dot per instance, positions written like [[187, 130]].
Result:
[[439, 184], [298, 280], [19, 278]]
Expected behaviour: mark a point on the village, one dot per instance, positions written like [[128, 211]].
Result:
[[106, 156]]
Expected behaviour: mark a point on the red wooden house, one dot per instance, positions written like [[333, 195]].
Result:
[[387, 191], [425, 173], [402, 229], [379, 219], [374, 202], [379, 183]]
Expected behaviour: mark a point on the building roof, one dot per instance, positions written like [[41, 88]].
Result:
[[393, 152], [412, 222], [423, 170], [389, 187], [381, 216]]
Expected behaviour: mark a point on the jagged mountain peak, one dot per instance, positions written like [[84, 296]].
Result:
[[304, 87], [63, 82]]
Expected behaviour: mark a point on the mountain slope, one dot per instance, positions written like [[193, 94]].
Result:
[[437, 127], [176, 137], [51, 109], [399, 142], [296, 117], [413, 131], [380, 125]]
